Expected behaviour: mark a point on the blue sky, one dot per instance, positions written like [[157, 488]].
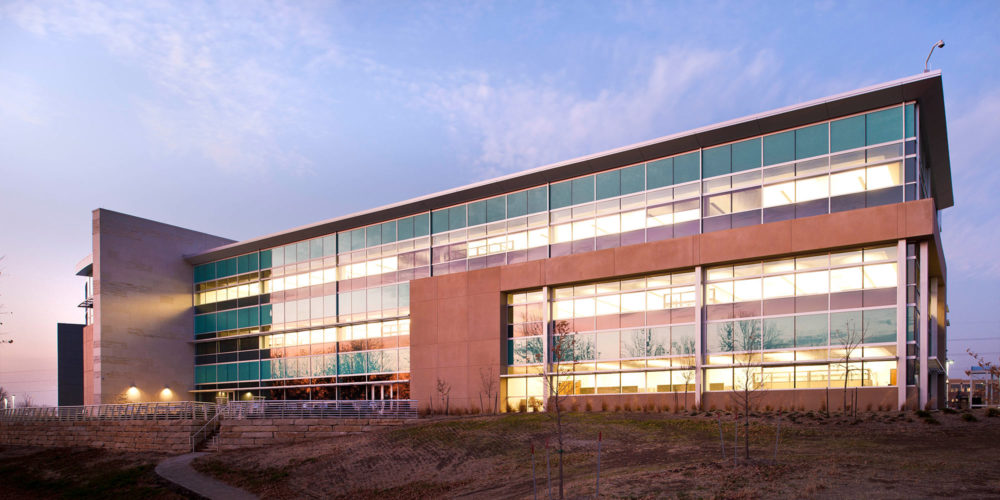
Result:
[[245, 118]]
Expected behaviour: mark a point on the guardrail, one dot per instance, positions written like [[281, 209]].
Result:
[[389, 408], [183, 410]]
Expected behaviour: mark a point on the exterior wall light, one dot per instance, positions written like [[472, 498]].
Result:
[[166, 394], [132, 392]]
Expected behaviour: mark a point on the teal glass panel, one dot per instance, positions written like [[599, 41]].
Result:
[[687, 168], [344, 241], [496, 209], [243, 318], [560, 195], [421, 225], [746, 155], [254, 316], [456, 217], [660, 173], [243, 371], [228, 372], [289, 251], [717, 161], [848, 133], [204, 323], [477, 213], [517, 204], [204, 272], [779, 333], [538, 200], [633, 179], [811, 330], [315, 248], [204, 374], [439, 221], [222, 321], [265, 259], [510, 352], [242, 264], [405, 228], [357, 239], [884, 126], [779, 148], [329, 245], [388, 232], [583, 190], [845, 328], [252, 262], [880, 325], [265, 369], [609, 184], [908, 118], [811, 141], [302, 251], [373, 236]]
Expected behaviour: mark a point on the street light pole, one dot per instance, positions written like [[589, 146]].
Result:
[[937, 45]]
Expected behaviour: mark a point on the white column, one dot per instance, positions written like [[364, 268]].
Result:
[[901, 322], [699, 324], [923, 382]]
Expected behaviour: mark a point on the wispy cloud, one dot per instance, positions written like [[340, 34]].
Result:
[[224, 82], [526, 124], [21, 99]]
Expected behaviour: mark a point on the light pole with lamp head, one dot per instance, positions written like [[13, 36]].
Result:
[[937, 45]]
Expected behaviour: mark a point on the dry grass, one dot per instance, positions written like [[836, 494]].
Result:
[[32, 473], [644, 455]]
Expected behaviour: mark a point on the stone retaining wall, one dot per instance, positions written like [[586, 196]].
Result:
[[250, 433], [171, 436]]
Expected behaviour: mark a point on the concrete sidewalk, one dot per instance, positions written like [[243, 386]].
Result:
[[178, 470]]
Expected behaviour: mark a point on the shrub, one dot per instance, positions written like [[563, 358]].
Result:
[[950, 411], [923, 413], [618, 408], [589, 407], [604, 406], [628, 407], [992, 412], [574, 407], [968, 417]]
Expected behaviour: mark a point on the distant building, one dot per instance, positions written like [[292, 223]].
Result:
[[795, 250], [69, 359]]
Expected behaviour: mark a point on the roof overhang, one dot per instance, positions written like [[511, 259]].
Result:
[[924, 88], [86, 266]]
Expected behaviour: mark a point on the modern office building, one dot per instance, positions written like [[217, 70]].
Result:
[[796, 251]]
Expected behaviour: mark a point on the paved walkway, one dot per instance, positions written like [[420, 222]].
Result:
[[178, 470]]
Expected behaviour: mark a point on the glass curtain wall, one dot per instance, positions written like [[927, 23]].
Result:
[[361, 276]]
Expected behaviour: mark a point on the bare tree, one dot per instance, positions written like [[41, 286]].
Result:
[[563, 348], [850, 337], [444, 393], [744, 338], [991, 369], [488, 381]]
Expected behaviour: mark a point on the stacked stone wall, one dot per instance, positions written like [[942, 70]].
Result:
[[236, 434], [170, 436]]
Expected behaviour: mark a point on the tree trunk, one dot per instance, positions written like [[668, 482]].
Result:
[[559, 429], [746, 426]]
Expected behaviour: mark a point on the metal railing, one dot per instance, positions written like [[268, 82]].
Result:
[[206, 431], [388, 408], [183, 410]]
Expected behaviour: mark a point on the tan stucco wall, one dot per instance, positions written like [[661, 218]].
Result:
[[143, 316], [456, 325]]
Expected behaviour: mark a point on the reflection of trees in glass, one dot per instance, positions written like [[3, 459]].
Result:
[[747, 335], [353, 363], [527, 351], [572, 347], [683, 345], [644, 343]]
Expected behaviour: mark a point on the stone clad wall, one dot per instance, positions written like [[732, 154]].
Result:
[[170, 436], [250, 433]]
